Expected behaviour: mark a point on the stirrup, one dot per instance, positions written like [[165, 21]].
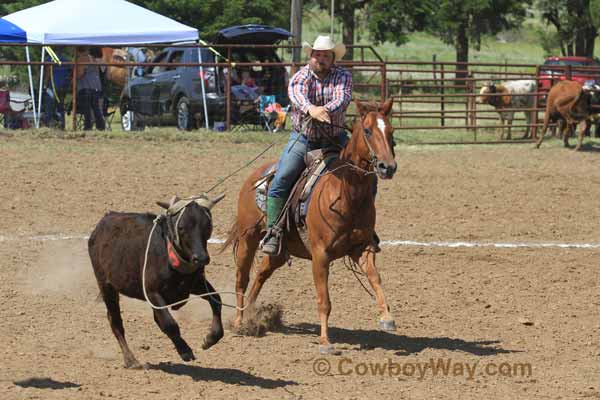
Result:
[[271, 243]]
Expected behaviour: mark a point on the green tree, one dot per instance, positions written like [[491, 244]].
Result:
[[11, 6], [462, 23], [209, 16], [346, 12], [392, 20], [576, 23], [386, 20]]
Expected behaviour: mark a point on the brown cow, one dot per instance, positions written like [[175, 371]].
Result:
[[570, 103]]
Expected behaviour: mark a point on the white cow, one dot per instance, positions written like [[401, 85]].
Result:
[[510, 95]]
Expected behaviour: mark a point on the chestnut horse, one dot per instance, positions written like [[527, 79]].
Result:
[[117, 74], [114, 73], [340, 220]]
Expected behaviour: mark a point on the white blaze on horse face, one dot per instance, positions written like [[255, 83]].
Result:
[[381, 126]]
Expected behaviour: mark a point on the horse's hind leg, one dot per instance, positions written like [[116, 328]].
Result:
[[167, 324], [244, 257], [111, 299], [268, 266], [367, 264]]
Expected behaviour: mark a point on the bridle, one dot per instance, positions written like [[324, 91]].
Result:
[[172, 216], [367, 132]]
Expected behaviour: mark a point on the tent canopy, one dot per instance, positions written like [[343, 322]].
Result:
[[92, 22], [10, 33]]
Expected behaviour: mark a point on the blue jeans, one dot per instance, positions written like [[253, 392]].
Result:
[[291, 163]]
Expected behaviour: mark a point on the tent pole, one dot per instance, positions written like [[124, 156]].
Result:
[[31, 84], [74, 91], [40, 87], [202, 85]]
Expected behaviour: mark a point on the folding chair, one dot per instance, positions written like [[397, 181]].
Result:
[[12, 110], [245, 115]]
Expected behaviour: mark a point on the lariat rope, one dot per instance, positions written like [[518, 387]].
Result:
[[191, 296]]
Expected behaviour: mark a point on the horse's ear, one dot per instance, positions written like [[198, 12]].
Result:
[[361, 109], [386, 108], [174, 200], [163, 205]]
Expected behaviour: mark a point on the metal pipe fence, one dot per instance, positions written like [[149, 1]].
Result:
[[428, 96]]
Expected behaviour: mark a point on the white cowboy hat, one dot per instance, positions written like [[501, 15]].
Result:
[[325, 43]]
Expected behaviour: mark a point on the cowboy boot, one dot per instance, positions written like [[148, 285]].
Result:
[[271, 242]]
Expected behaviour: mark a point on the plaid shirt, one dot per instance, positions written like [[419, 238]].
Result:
[[334, 92]]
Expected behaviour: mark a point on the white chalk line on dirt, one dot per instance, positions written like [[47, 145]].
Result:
[[46, 238]]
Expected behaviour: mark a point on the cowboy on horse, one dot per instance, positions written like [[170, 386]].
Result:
[[320, 93]]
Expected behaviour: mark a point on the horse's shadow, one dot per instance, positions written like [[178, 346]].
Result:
[[403, 345], [225, 375], [45, 383]]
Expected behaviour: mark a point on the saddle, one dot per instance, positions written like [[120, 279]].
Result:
[[296, 207]]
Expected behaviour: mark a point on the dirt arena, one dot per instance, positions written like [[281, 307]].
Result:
[[506, 323]]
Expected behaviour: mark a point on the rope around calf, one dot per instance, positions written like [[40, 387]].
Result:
[[192, 296]]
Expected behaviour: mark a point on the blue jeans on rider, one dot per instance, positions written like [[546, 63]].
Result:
[[291, 163]]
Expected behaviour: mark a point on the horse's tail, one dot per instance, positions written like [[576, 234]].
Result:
[[233, 238]]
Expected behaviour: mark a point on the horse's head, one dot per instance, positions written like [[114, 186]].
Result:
[[378, 133], [189, 226]]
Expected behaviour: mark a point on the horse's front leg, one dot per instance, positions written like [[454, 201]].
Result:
[[320, 269], [215, 333], [367, 263]]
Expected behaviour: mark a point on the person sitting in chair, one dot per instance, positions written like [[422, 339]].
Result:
[[320, 93], [247, 89]]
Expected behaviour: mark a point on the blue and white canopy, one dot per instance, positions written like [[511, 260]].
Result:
[[10, 33], [92, 22]]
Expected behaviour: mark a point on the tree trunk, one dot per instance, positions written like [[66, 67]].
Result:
[[462, 53], [296, 29], [347, 16]]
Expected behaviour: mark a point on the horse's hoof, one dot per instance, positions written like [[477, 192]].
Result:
[[188, 356], [387, 325], [328, 349]]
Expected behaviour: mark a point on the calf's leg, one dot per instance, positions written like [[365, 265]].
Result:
[[216, 327], [167, 324], [111, 299]]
